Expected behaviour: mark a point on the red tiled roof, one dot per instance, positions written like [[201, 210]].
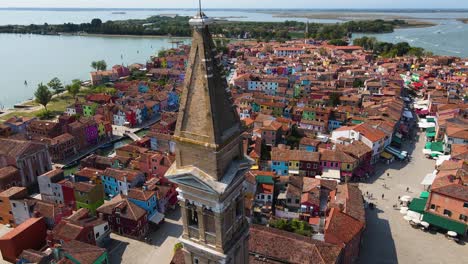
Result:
[[286, 247], [369, 132], [456, 191], [341, 228]]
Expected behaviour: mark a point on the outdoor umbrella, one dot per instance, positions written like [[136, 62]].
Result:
[[451, 233], [405, 198], [403, 210], [407, 218], [416, 221], [425, 224]]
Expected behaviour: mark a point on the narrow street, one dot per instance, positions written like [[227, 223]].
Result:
[[388, 237]]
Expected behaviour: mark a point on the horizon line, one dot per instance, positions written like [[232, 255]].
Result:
[[246, 8]]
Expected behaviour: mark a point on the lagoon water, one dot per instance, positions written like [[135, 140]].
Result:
[[36, 58]]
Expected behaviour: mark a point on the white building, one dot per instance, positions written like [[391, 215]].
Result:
[[120, 118], [373, 138], [50, 189]]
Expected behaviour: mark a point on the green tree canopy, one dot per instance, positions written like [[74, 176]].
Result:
[[100, 65], [338, 42], [96, 23], [43, 95], [56, 85], [74, 88], [334, 99]]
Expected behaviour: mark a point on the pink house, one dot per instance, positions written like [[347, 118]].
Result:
[[271, 132], [155, 164], [121, 70]]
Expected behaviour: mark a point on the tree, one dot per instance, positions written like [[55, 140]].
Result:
[[96, 23], [74, 88], [357, 83], [99, 65], [334, 99], [338, 42], [43, 95], [162, 53], [56, 85]]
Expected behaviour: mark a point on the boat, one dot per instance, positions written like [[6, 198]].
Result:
[[22, 106], [119, 13]]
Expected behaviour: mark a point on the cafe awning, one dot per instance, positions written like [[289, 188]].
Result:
[[157, 218], [331, 174], [418, 205], [386, 155], [445, 223], [396, 140], [428, 179], [437, 146], [424, 195]]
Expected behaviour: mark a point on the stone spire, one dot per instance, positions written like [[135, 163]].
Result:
[[207, 115]]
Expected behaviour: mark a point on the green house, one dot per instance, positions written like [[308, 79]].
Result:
[[89, 109], [255, 107], [89, 196], [308, 114]]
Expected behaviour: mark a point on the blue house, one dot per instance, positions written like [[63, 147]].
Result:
[[144, 199], [144, 113], [333, 124], [118, 181], [280, 167], [172, 101], [142, 88]]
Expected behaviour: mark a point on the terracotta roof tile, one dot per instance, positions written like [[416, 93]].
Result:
[[290, 247]]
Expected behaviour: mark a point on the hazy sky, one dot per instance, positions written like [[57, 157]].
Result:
[[239, 3]]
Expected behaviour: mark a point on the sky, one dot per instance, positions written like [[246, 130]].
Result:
[[358, 4]]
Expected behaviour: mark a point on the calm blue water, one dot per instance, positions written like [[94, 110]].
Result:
[[449, 37], [40, 58], [37, 58]]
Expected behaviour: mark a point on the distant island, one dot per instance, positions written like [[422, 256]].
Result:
[[178, 26]]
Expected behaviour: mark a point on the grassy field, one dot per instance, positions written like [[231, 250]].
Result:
[[56, 107]]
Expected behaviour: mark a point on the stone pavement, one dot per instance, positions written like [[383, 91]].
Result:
[[161, 249], [388, 237]]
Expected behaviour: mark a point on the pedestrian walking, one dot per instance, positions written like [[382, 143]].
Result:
[[398, 198], [407, 189], [388, 174], [382, 196]]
